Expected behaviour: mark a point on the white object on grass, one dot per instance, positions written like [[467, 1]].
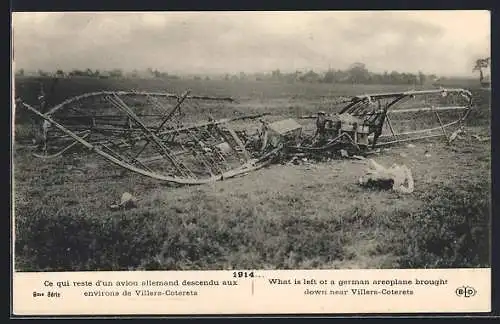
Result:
[[399, 174]]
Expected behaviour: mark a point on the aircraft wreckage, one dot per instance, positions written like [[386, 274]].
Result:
[[148, 132]]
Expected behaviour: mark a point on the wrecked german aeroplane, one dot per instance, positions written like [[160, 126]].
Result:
[[147, 133]]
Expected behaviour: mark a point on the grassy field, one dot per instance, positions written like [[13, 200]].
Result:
[[280, 217]]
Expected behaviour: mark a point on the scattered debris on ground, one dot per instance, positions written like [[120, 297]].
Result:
[[457, 134], [126, 202], [481, 139], [185, 152]]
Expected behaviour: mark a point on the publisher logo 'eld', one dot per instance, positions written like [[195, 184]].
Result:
[[465, 291]]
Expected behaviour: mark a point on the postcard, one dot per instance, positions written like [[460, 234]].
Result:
[[229, 163]]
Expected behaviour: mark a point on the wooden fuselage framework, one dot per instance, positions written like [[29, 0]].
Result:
[[158, 143], [367, 121]]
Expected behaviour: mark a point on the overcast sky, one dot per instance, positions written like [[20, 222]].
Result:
[[440, 42]]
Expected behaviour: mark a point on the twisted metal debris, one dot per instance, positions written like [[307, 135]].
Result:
[[147, 133]]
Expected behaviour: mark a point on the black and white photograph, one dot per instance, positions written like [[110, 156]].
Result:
[[270, 140]]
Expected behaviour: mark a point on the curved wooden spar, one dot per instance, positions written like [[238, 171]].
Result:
[[415, 93], [133, 93], [247, 167], [52, 156], [397, 96]]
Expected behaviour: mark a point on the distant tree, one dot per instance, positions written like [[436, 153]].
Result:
[[329, 77], [369, 78], [310, 76], [395, 77], [407, 78], [377, 78], [42, 73], [289, 77], [20, 72], [89, 72], [156, 73], [421, 78], [358, 73], [60, 74], [276, 74], [207, 78], [77, 72], [414, 78], [481, 63], [116, 73], [386, 78], [150, 71]]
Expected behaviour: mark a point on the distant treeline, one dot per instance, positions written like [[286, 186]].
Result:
[[357, 73], [101, 74]]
